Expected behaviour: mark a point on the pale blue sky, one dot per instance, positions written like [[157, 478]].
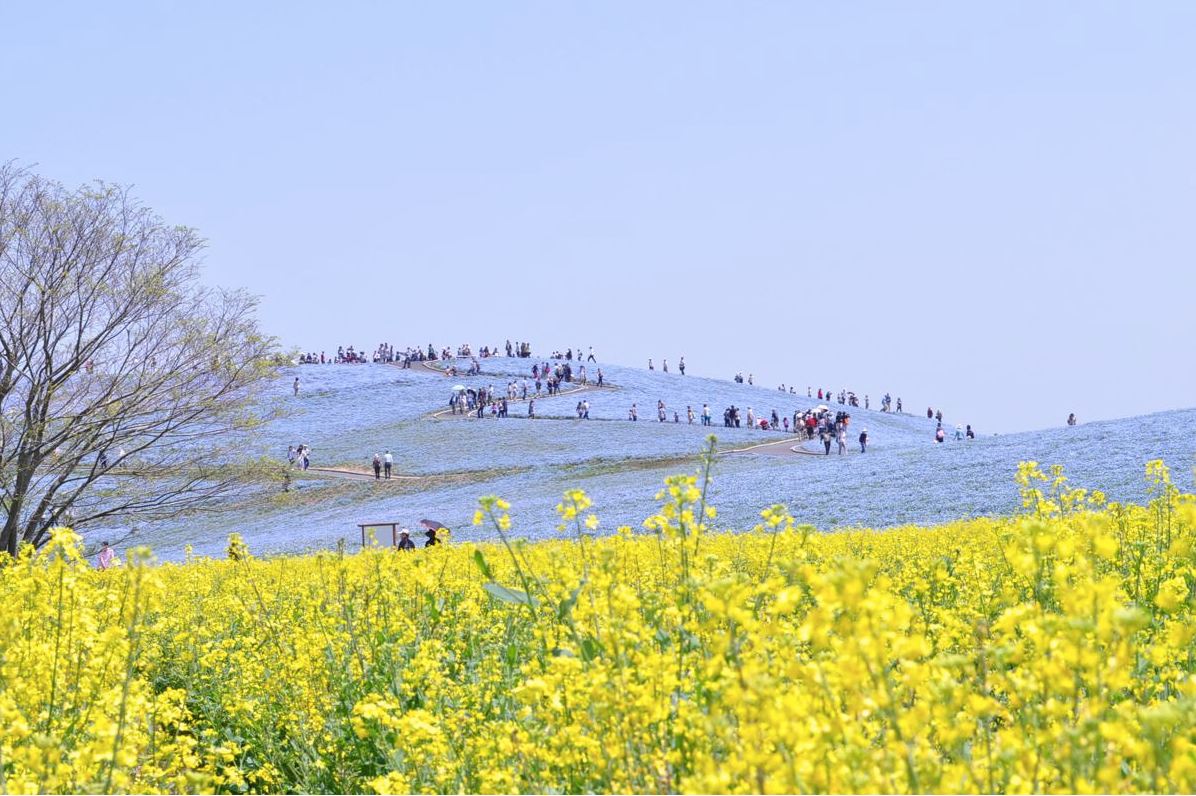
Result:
[[989, 209]]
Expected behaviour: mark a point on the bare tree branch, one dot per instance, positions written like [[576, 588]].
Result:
[[125, 385]]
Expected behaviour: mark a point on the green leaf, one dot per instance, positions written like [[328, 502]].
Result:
[[591, 649], [480, 560], [509, 595], [564, 611]]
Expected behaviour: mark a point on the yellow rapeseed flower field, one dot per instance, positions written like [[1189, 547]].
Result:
[[1049, 652]]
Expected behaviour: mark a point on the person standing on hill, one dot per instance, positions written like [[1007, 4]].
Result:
[[826, 440], [1071, 419], [689, 413], [971, 434], [863, 440], [531, 408], [681, 366], [664, 365], [898, 406], [751, 418], [930, 413], [939, 434], [705, 414], [387, 464], [590, 358], [842, 438], [377, 466], [633, 413], [295, 386], [650, 364]]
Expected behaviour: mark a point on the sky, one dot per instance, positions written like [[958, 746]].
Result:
[[986, 208]]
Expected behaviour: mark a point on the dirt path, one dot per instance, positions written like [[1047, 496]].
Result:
[[447, 413], [788, 446], [358, 475]]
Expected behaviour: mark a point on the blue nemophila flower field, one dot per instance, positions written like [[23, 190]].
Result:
[[346, 413]]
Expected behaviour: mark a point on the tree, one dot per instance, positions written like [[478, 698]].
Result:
[[125, 384]]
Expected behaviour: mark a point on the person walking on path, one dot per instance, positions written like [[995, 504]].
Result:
[[863, 440], [387, 464], [432, 540], [705, 414], [405, 542], [633, 414], [842, 437], [377, 466], [531, 408], [599, 377], [826, 440]]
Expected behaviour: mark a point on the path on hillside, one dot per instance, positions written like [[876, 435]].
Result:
[[359, 475], [448, 413], [782, 447], [442, 414]]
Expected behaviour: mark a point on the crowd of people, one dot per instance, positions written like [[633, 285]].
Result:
[[547, 379], [299, 456], [388, 354], [549, 376]]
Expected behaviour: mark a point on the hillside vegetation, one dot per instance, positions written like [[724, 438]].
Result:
[[346, 413]]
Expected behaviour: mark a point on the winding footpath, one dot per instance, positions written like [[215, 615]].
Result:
[[448, 413], [784, 447]]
